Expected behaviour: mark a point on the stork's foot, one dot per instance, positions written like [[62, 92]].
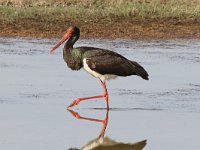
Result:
[[105, 95], [75, 114], [76, 102]]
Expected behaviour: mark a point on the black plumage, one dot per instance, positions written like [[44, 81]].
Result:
[[109, 62]]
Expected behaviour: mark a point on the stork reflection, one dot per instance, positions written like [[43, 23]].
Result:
[[104, 121], [105, 143]]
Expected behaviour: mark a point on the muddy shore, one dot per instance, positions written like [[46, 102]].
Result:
[[121, 28], [130, 19]]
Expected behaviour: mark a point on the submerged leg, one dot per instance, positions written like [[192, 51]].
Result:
[[105, 95]]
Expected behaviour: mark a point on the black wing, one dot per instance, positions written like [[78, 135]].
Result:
[[108, 62]]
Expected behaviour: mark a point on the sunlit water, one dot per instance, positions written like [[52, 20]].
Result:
[[36, 87]]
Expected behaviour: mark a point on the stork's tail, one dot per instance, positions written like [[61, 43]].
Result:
[[140, 71]]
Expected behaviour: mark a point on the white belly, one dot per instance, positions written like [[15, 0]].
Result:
[[96, 74]]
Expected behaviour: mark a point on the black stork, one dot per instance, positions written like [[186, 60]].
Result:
[[101, 63]]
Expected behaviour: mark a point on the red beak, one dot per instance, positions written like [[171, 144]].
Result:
[[63, 39]]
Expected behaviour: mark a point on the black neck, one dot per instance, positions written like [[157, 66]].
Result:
[[69, 44]]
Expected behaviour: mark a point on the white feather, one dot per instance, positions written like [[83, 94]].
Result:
[[96, 74]]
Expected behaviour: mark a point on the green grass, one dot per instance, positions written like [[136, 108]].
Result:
[[98, 9]]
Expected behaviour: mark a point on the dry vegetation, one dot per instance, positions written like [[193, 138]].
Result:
[[141, 18]]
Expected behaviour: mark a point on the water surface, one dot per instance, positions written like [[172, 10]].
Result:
[[36, 87]]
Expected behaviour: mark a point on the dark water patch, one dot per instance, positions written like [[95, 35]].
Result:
[[128, 92], [35, 95], [2, 101], [23, 46], [157, 94], [186, 56], [176, 93], [4, 65], [6, 100], [9, 65], [195, 85], [20, 51], [163, 44]]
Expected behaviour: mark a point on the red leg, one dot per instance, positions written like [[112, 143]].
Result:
[[105, 95], [105, 123]]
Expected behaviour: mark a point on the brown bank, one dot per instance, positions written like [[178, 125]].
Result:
[[132, 19]]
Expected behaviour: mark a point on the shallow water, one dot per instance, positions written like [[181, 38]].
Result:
[[36, 87]]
